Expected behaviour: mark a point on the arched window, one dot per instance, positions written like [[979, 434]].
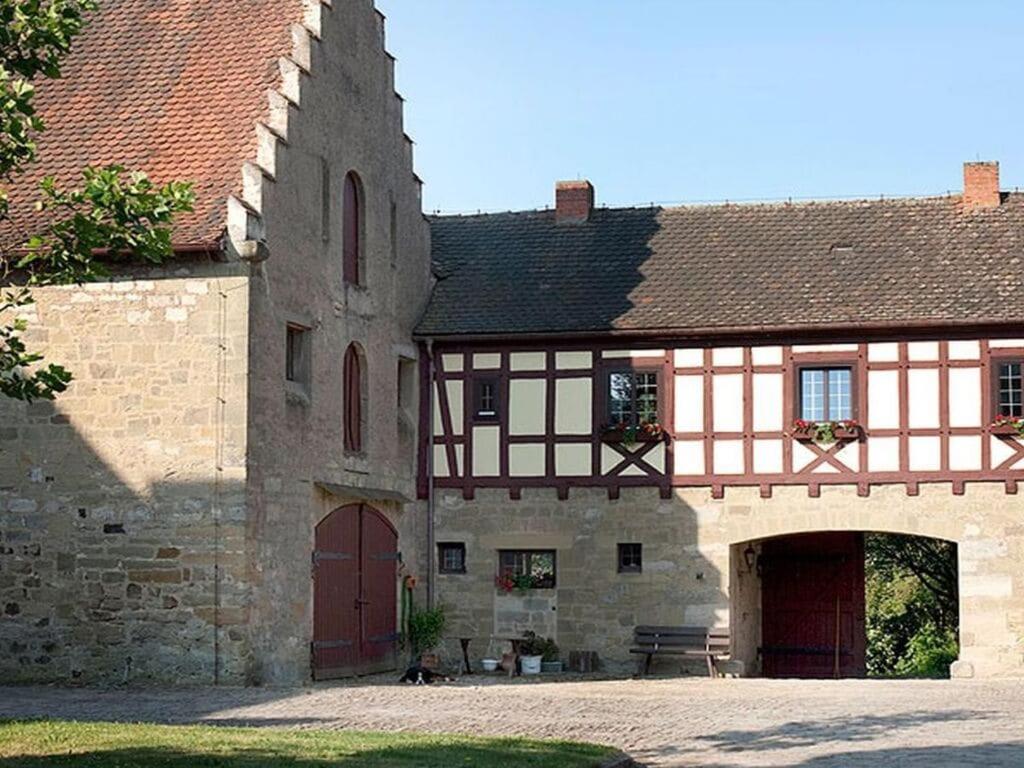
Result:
[[354, 372], [352, 228]]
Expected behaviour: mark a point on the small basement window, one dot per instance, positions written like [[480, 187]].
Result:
[[630, 558], [451, 557], [826, 394], [485, 405], [538, 564]]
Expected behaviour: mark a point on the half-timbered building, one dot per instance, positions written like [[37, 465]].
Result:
[[631, 413]]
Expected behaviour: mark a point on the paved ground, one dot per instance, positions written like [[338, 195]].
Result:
[[678, 722]]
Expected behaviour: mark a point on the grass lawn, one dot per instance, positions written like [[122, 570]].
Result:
[[46, 743]]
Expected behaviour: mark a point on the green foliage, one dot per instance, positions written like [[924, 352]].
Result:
[[426, 628], [533, 644], [114, 213], [59, 743], [911, 606], [550, 651]]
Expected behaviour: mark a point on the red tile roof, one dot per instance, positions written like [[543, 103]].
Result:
[[173, 88]]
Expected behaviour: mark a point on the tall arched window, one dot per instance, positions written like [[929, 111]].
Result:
[[352, 228], [354, 392]]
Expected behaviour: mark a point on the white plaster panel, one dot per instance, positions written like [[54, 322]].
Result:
[[965, 397], [689, 404], [487, 360], [455, 391], [572, 459], [883, 399], [802, 456], [849, 455], [656, 457], [923, 350], [1002, 343], [965, 452], [573, 360], [999, 451], [688, 457], [767, 402], [610, 459], [633, 353], [526, 459], [728, 402], [727, 356], [526, 406], [824, 469], [453, 363], [824, 348], [923, 391], [527, 361], [767, 456], [964, 350], [573, 406], [632, 471], [689, 358], [440, 461], [766, 355], [925, 453], [884, 454], [438, 429], [728, 457], [887, 352], [486, 444]]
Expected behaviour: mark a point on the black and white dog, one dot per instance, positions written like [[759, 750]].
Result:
[[419, 675]]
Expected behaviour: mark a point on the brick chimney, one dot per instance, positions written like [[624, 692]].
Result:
[[981, 186], [574, 200]]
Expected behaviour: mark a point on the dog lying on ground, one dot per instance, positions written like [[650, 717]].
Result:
[[418, 675]]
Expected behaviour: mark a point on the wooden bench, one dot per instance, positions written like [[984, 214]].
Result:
[[710, 642]]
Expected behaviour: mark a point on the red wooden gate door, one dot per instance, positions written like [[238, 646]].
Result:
[[812, 601], [355, 569]]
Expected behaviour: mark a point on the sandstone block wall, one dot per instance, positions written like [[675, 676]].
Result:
[[693, 572], [118, 501]]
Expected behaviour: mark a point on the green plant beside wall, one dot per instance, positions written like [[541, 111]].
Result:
[[426, 627]]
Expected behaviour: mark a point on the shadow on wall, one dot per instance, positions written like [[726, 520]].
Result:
[[110, 575]]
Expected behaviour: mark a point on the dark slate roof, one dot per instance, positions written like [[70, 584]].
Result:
[[695, 269]]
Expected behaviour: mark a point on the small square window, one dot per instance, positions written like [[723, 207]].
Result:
[[297, 356], [633, 398], [485, 401], [537, 564], [630, 558], [826, 394], [1010, 388], [451, 557]]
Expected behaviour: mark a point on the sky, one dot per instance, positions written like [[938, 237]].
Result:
[[674, 101]]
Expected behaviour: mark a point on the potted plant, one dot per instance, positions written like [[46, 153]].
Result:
[[1004, 424], [826, 432], [550, 663], [425, 630], [531, 652]]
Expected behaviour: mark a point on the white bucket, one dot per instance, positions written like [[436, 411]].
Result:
[[490, 665], [531, 664]]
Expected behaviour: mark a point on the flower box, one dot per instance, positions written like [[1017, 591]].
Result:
[[621, 436], [826, 431]]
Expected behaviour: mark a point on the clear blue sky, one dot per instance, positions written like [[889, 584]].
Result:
[[673, 100]]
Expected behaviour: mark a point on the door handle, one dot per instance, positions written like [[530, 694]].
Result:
[[360, 603]]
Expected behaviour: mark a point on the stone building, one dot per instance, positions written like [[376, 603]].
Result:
[[159, 519], [269, 434], [616, 404]]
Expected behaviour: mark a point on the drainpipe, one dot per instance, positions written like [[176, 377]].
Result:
[[430, 475]]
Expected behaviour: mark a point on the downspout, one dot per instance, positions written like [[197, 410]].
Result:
[[430, 475]]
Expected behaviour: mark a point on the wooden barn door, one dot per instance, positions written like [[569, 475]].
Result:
[[355, 567], [812, 600]]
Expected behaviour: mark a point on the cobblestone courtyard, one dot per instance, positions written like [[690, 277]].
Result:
[[678, 722]]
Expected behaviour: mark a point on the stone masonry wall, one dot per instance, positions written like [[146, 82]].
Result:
[[118, 501], [688, 574]]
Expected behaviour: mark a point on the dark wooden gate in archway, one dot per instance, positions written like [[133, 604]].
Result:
[[812, 601], [355, 571]]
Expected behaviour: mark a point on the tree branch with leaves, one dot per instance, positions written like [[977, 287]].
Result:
[[114, 214]]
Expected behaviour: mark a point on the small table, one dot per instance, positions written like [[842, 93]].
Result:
[[464, 642]]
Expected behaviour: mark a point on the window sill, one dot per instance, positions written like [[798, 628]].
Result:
[[1004, 429], [296, 394]]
